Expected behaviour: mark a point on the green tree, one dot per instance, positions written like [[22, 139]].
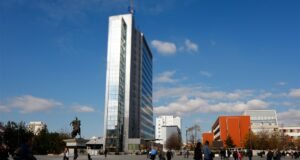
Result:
[[46, 142], [15, 134], [229, 142]]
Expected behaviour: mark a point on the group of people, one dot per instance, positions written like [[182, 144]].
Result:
[[277, 154], [208, 154], [198, 153], [154, 152]]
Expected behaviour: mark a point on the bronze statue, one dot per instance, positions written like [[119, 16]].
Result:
[[76, 127]]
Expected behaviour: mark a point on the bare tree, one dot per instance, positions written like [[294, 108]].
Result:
[[174, 142]]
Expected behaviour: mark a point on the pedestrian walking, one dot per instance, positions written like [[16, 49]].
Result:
[[227, 153], [250, 154], [89, 157], [66, 154], [161, 155], [3, 152], [207, 152], [169, 155], [75, 154], [105, 153], [269, 155], [222, 153], [187, 153], [235, 154], [198, 152], [240, 155], [153, 154]]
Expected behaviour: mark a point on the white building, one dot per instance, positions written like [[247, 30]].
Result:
[[262, 120], [36, 127], [166, 132], [291, 131], [165, 121], [94, 145]]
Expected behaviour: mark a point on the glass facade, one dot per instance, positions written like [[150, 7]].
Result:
[[116, 93], [146, 112], [128, 103]]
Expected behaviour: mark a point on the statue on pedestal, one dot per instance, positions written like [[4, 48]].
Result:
[[76, 127]]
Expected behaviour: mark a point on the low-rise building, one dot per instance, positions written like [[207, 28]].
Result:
[[165, 121], [292, 131], [237, 127], [262, 120], [94, 145], [36, 127]]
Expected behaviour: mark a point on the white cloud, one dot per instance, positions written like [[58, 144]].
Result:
[[198, 91], [265, 95], [185, 105], [28, 104], [290, 117], [165, 48], [190, 46], [4, 108], [165, 77], [83, 108], [281, 83], [295, 93], [205, 73]]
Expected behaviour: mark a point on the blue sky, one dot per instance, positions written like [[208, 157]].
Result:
[[211, 58]]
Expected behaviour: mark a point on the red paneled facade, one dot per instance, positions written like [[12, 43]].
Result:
[[207, 137], [237, 127]]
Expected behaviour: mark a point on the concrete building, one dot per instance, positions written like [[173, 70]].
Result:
[[36, 127], [128, 113], [292, 131], [165, 121], [262, 120], [167, 132], [237, 127], [94, 145]]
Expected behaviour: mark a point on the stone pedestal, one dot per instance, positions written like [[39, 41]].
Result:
[[76, 143]]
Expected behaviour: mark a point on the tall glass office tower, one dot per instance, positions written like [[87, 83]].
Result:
[[128, 99]]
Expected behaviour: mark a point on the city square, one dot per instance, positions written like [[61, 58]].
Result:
[[136, 157], [131, 79]]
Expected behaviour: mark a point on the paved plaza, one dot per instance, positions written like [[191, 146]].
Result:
[[134, 157]]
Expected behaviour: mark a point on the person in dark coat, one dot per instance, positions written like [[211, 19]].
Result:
[[222, 153], [235, 154], [105, 153], [198, 152], [250, 154], [75, 154], [169, 155], [3, 153], [89, 157], [25, 151], [269, 155]]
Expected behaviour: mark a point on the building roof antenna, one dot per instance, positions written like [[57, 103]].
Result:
[[131, 10]]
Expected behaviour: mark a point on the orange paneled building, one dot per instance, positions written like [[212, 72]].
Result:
[[237, 127], [207, 137]]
